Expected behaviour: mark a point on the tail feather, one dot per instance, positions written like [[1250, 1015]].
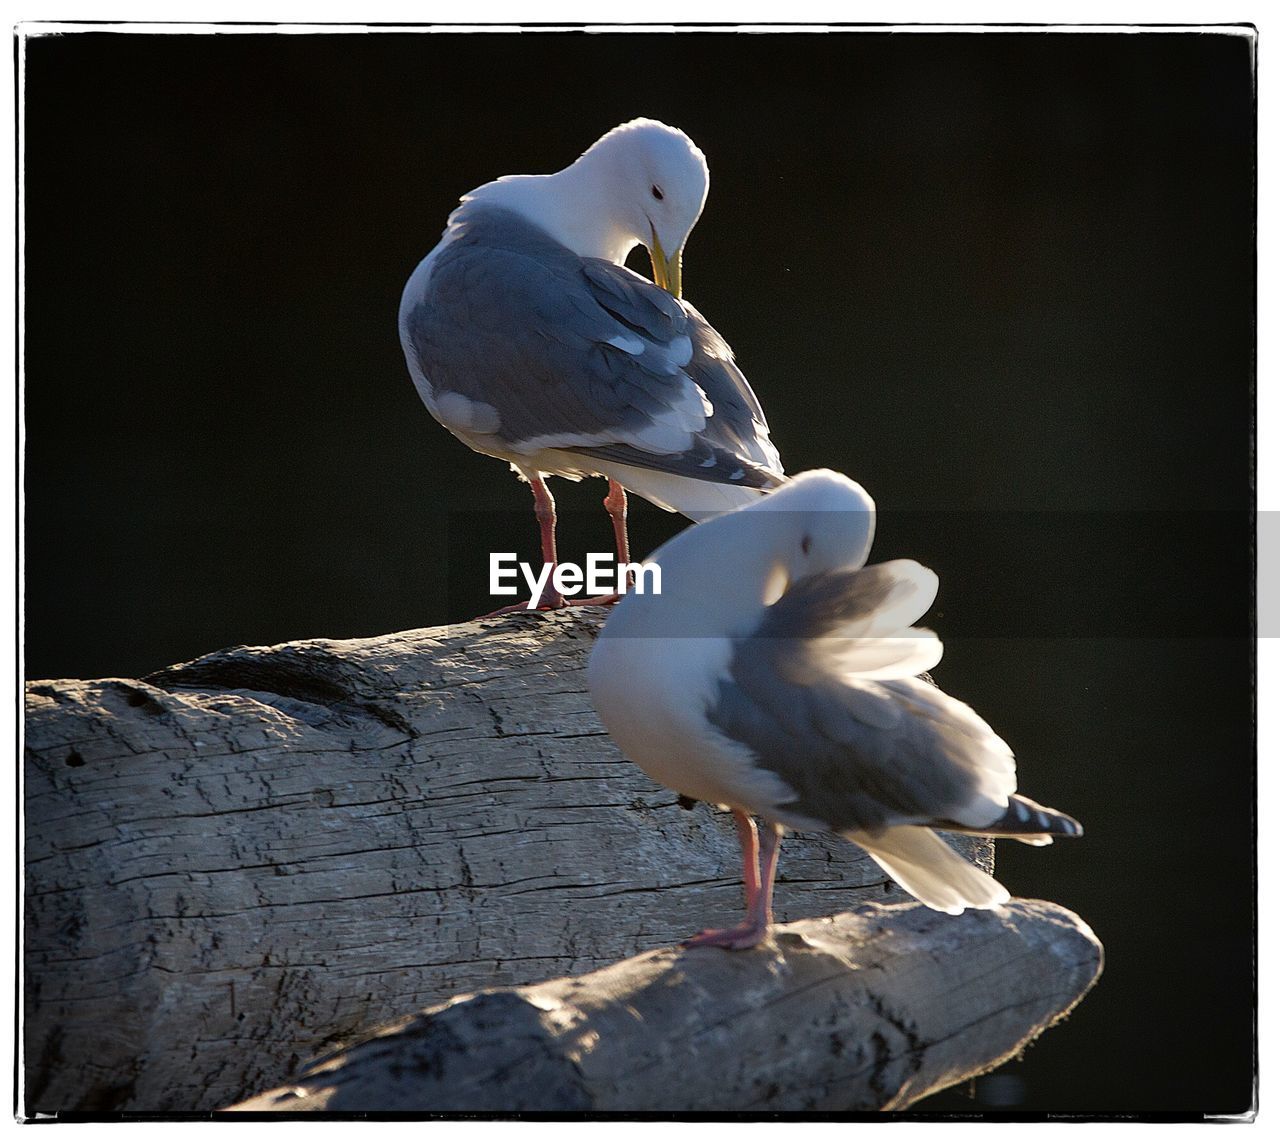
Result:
[[930, 870], [1024, 820], [695, 498]]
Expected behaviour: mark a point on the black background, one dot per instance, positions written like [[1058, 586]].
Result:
[[1005, 281]]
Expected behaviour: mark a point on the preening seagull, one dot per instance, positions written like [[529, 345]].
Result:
[[529, 340], [776, 675]]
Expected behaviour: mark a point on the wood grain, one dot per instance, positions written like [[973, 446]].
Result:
[[867, 1011], [244, 861]]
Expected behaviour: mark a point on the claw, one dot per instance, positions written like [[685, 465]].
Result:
[[758, 868], [744, 936]]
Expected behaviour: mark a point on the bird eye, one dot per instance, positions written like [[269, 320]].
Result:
[[805, 543], [657, 192]]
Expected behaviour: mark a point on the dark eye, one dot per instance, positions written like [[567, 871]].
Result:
[[805, 543], [657, 192]]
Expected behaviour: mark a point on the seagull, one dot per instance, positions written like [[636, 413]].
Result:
[[776, 675], [528, 339]]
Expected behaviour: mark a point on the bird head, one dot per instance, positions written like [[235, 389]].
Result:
[[818, 521], [655, 180], [716, 572]]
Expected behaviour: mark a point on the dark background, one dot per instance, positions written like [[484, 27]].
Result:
[[1005, 281]]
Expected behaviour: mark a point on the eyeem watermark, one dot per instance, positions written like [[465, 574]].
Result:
[[602, 576]]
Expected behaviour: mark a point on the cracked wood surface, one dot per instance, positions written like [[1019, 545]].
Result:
[[867, 1011], [241, 862]]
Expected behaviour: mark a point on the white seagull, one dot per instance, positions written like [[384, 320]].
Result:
[[776, 675], [528, 339]]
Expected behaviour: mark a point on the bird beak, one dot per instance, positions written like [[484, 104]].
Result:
[[666, 269]]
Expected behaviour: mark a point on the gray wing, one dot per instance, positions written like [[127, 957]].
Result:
[[734, 445], [579, 354], [860, 753]]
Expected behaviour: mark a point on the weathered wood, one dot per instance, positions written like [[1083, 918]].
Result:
[[867, 1011], [245, 860]]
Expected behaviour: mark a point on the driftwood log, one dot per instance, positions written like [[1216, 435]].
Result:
[[244, 862], [868, 1011]]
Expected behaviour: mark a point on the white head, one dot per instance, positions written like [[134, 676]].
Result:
[[642, 183], [654, 181], [819, 521], [717, 575]]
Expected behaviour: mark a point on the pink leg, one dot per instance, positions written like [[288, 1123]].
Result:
[[615, 502], [544, 507], [759, 864], [771, 846]]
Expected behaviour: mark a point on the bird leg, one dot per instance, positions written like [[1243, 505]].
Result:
[[544, 508], [615, 502], [759, 865]]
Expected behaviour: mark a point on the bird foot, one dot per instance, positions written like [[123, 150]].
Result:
[[744, 936], [552, 601]]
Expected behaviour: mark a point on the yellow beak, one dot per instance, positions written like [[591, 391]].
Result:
[[666, 269]]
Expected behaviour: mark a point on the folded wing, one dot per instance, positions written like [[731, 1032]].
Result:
[[824, 694], [580, 355]]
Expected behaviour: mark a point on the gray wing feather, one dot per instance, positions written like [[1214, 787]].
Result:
[[742, 422], [860, 755], [734, 446], [511, 325], [513, 319], [826, 604]]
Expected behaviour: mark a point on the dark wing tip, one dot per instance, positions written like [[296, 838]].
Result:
[[1027, 816], [705, 462], [1023, 818]]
